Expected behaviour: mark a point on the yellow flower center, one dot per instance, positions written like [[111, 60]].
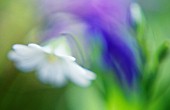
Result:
[[52, 58]]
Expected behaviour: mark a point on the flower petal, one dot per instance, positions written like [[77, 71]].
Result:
[[35, 46], [43, 72], [79, 75], [26, 58], [30, 63], [52, 74], [67, 57], [62, 49], [23, 50]]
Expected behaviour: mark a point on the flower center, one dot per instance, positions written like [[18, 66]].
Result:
[[52, 58]]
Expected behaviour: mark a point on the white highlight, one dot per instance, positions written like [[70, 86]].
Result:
[[136, 12]]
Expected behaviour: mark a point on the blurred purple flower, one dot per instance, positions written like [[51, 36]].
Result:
[[105, 18]]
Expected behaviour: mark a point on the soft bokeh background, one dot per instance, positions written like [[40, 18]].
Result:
[[158, 30], [18, 24]]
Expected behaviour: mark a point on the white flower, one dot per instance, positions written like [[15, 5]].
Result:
[[53, 66]]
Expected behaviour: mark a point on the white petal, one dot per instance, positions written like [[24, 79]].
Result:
[[79, 75], [62, 49], [13, 56], [26, 58], [35, 46], [30, 63], [66, 57], [57, 75], [52, 74], [23, 50], [47, 49], [43, 72]]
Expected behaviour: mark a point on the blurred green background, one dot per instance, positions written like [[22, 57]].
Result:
[[18, 20], [157, 14]]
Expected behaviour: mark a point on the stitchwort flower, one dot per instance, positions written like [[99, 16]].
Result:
[[53, 65]]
